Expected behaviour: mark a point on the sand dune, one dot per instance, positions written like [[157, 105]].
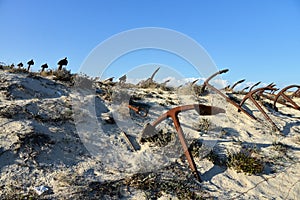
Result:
[[72, 140]]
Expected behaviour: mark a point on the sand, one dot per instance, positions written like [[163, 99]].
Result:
[[51, 135]]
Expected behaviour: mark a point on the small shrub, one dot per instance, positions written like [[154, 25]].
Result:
[[197, 89], [46, 73], [195, 148], [83, 81], [136, 97], [243, 161], [154, 185], [18, 70], [204, 125], [148, 84], [280, 147], [216, 159], [280, 155], [163, 138], [166, 88], [63, 75]]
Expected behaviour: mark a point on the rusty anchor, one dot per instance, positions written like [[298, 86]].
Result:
[[235, 84], [231, 89], [251, 95], [150, 130], [284, 100], [206, 84], [270, 95], [243, 91], [141, 111], [289, 102], [254, 85], [296, 93]]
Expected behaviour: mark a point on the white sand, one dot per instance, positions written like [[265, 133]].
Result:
[[39, 144]]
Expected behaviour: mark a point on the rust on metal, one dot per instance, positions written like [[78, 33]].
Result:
[[154, 73], [251, 95], [243, 91], [231, 89], [289, 102], [149, 80], [253, 86], [238, 82], [173, 114], [206, 84], [270, 95], [296, 93], [194, 82], [139, 110]]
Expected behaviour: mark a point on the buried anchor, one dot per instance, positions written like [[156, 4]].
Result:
[[251, 95], [206, 84], [150, 130], [139, 110], [289, 102]]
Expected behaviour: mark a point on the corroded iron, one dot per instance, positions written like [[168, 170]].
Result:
[[270, 94], [252, 96], [206, 84], [243, 91], [149, 81], [235, 84], [253, 86], [231, 88], [143, 112], [194, 82], [288, 101], [296, 93], [173, 114]]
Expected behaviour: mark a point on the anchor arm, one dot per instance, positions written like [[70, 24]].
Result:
[[282, 93], [212, 76], [173, 114]]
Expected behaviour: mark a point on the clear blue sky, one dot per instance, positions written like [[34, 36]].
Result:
[[258, 40]]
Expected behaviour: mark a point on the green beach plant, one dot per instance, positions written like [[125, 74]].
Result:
[[245, 161]]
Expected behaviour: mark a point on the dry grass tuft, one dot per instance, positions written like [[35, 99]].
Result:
[[244, 161], [63, 75], [204, 125]]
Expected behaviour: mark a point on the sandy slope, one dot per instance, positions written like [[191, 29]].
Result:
[[50, 134]]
